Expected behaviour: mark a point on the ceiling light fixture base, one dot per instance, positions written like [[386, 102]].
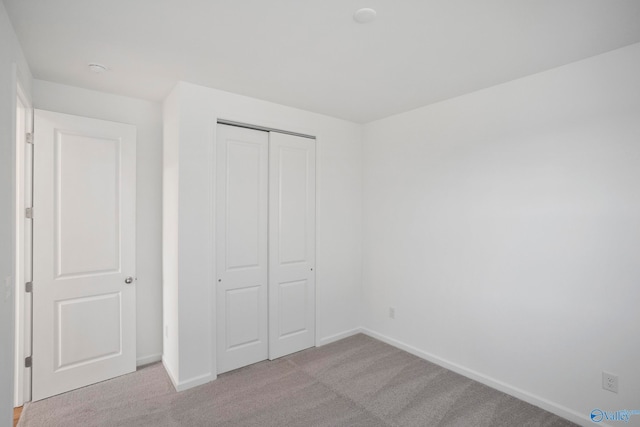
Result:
[[364, 15], [97, 68]]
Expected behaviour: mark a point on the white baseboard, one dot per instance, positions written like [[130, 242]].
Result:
[[538, 401], [338, 337], [170, 373], [145, 360], [190, 383], [194, 382]]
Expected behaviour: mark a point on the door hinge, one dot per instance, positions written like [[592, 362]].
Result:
[[27, 362], [28, 287], [29, 138], [28, 213]]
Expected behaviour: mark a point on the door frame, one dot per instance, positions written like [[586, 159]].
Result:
[[23, 176], [266, 125]]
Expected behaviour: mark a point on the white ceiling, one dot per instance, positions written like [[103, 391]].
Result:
[[311, 54]]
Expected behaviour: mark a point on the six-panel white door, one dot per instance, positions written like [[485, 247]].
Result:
[[292, 227], [241, 246], [84, 319]]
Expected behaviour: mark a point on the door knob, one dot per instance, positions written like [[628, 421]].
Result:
[[128, 280]]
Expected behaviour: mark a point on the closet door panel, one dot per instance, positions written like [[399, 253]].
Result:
[[291, 244], [241, 246]]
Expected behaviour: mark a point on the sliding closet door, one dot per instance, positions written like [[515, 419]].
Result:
[[241, 246], [291, 244]]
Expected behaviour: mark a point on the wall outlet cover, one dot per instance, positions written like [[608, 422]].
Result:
[[610, 382]]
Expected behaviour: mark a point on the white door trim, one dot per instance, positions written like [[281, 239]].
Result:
[[23, 268]]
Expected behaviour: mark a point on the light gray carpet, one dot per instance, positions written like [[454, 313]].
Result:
[[358, 381]]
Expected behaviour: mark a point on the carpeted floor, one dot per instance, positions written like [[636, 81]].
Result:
[[357, 381]]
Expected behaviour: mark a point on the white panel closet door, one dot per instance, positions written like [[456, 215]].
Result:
[[291, 244], [84, 318], [241, 246]]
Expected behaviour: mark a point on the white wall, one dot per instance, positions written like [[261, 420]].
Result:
[[339, 205], [147, 117], [13, 68], [504, 227]]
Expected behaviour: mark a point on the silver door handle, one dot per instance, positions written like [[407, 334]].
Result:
[[128, 280]]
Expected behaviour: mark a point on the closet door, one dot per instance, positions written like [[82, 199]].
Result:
[[291, 244], [241, 246]]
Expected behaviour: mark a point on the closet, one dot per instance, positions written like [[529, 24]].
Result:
[[265, 244]]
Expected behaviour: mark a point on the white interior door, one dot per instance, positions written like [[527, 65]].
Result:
[[84, 319], [291, 244], [241, 246]]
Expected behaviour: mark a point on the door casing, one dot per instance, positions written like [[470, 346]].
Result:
[[23, 249]]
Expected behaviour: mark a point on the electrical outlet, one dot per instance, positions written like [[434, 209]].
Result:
[[610, 382], [392, 312]]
